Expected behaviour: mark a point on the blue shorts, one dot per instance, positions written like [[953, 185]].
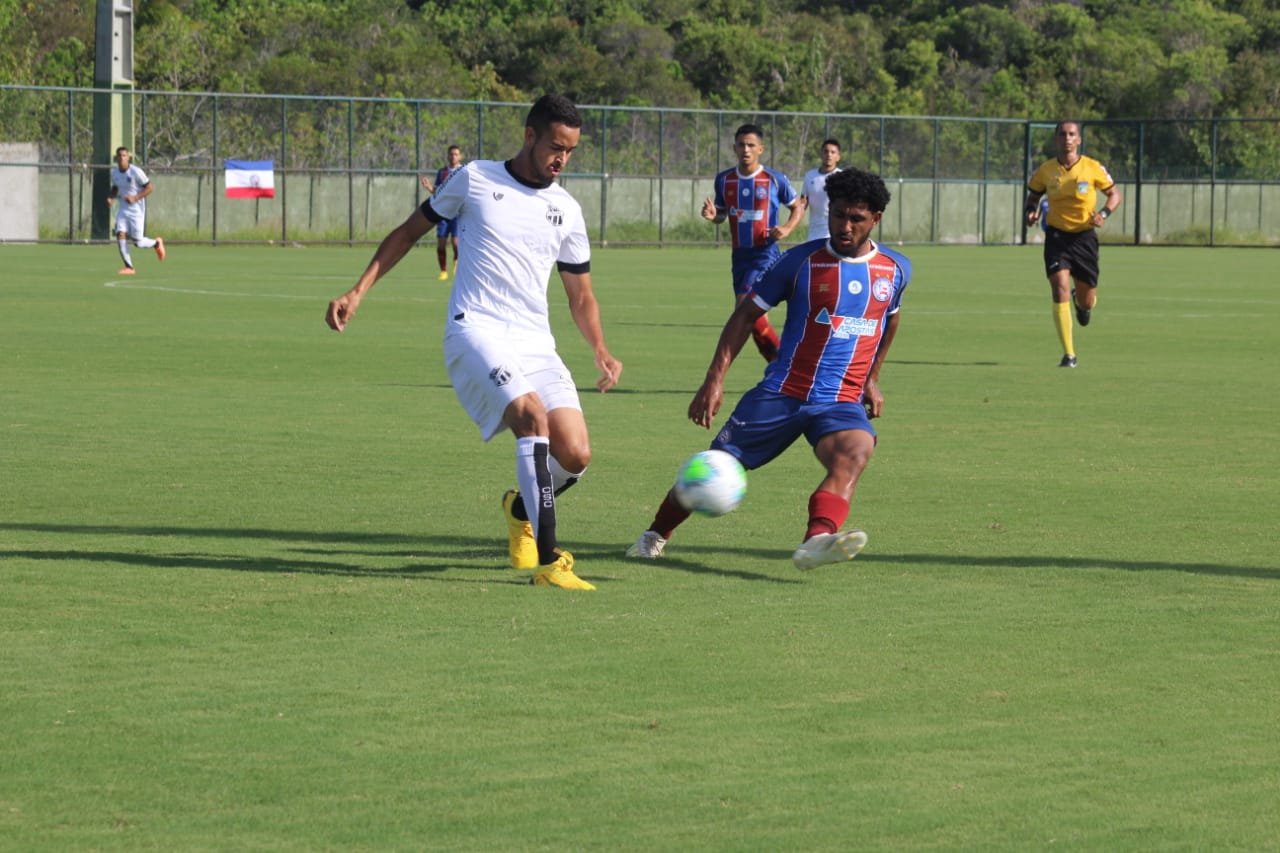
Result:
[[749, 263], [765, 423], [447, 228]]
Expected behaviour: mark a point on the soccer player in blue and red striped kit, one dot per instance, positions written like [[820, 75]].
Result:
[[749, 196], [843, 295], [447, 230]]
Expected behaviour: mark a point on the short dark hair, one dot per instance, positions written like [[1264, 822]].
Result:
[[121, 148], [851, 186], [748, 128], [834, 142], [552, 109], [1057, 127]]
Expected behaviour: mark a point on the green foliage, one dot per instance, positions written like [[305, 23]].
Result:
[[1104, 58]]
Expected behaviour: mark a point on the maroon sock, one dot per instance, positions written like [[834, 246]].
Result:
[[669, 516], [827, 511]]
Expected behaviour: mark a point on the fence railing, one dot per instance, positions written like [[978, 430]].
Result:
[[347, 168]]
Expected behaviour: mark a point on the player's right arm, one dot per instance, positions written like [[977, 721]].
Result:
[[710, 395], [1031, 207], [392, 248]]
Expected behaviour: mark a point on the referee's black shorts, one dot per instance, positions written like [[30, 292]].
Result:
[[1072, 250]]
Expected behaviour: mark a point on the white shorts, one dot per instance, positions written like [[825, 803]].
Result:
[[489, 370], [131, 219]]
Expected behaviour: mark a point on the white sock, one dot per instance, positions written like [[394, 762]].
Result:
[[124, 252], [533, 476], [560, 478]]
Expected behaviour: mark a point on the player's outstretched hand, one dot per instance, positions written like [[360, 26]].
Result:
[[610, 371], [341, 310], [706, 403], [709, 209]]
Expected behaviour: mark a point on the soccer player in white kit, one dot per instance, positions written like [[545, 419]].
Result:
[[814, 193], [132, 186], [514, 224]]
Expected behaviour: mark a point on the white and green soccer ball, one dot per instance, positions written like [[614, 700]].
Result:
[[711, 482]]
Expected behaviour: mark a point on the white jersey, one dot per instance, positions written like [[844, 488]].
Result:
[[129, 182], [510, 236], [815, 190], [130, 218]]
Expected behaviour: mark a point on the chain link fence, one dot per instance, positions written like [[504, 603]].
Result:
[[347, 169]]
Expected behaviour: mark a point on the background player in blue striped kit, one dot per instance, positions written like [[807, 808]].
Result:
[[750, 196], [843, 298]]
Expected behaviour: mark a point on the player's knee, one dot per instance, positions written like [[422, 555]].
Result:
[[573, 456]]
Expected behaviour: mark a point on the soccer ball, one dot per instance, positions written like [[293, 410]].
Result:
[[711, 482]]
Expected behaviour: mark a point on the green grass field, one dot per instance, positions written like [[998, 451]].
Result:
[[253, 595]]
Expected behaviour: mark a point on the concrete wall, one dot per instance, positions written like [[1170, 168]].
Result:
[[20, 189], [363, 208]]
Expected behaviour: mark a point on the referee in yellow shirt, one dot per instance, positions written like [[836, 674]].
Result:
[[1069, 182]]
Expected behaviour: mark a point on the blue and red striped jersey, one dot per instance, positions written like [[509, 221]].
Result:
[[836, 313], [752, 203]]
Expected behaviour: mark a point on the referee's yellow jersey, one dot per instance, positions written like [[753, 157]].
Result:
[[1071, 192]]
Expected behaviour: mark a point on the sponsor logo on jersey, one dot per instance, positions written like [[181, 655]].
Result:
[[1082, 187], [855, 287], [500, 376], [497, 196], [846, 327], [744, 215]]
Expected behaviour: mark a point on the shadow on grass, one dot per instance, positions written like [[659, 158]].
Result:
[[353, 553]]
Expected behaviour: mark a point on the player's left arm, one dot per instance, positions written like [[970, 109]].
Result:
[[872, 398], [585, 311], [1109, 206], [795, 210], [143, 193]]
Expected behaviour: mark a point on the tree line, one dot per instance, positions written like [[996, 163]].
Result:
[[1090, 59]]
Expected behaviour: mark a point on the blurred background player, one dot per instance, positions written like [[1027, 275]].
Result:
[[498, 347], [447, 230], [813, 195], [749, 196], [843, 298], [1068, 183], [132, 186]]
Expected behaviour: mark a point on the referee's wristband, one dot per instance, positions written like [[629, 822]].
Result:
[[1104, 213]]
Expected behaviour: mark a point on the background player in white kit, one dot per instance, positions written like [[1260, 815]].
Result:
[[514, 224], [814, 194], [132, 186]]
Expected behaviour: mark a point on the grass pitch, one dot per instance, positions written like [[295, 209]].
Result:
[[253, 591]]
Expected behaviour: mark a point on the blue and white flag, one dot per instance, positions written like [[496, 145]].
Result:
[[251, 179]]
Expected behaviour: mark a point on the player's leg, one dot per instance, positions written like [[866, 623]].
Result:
[[555, 412], [1084, 271], [1085, 295], [761, 427], [844, 444], [762, 333], [442, 241], [453, 240], [122, 245], [1060, 292], [1057, 268]]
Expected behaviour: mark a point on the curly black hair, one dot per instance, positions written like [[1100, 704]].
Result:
[[855, 185]]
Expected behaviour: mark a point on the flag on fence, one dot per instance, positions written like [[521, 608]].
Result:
[[251, 179]]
